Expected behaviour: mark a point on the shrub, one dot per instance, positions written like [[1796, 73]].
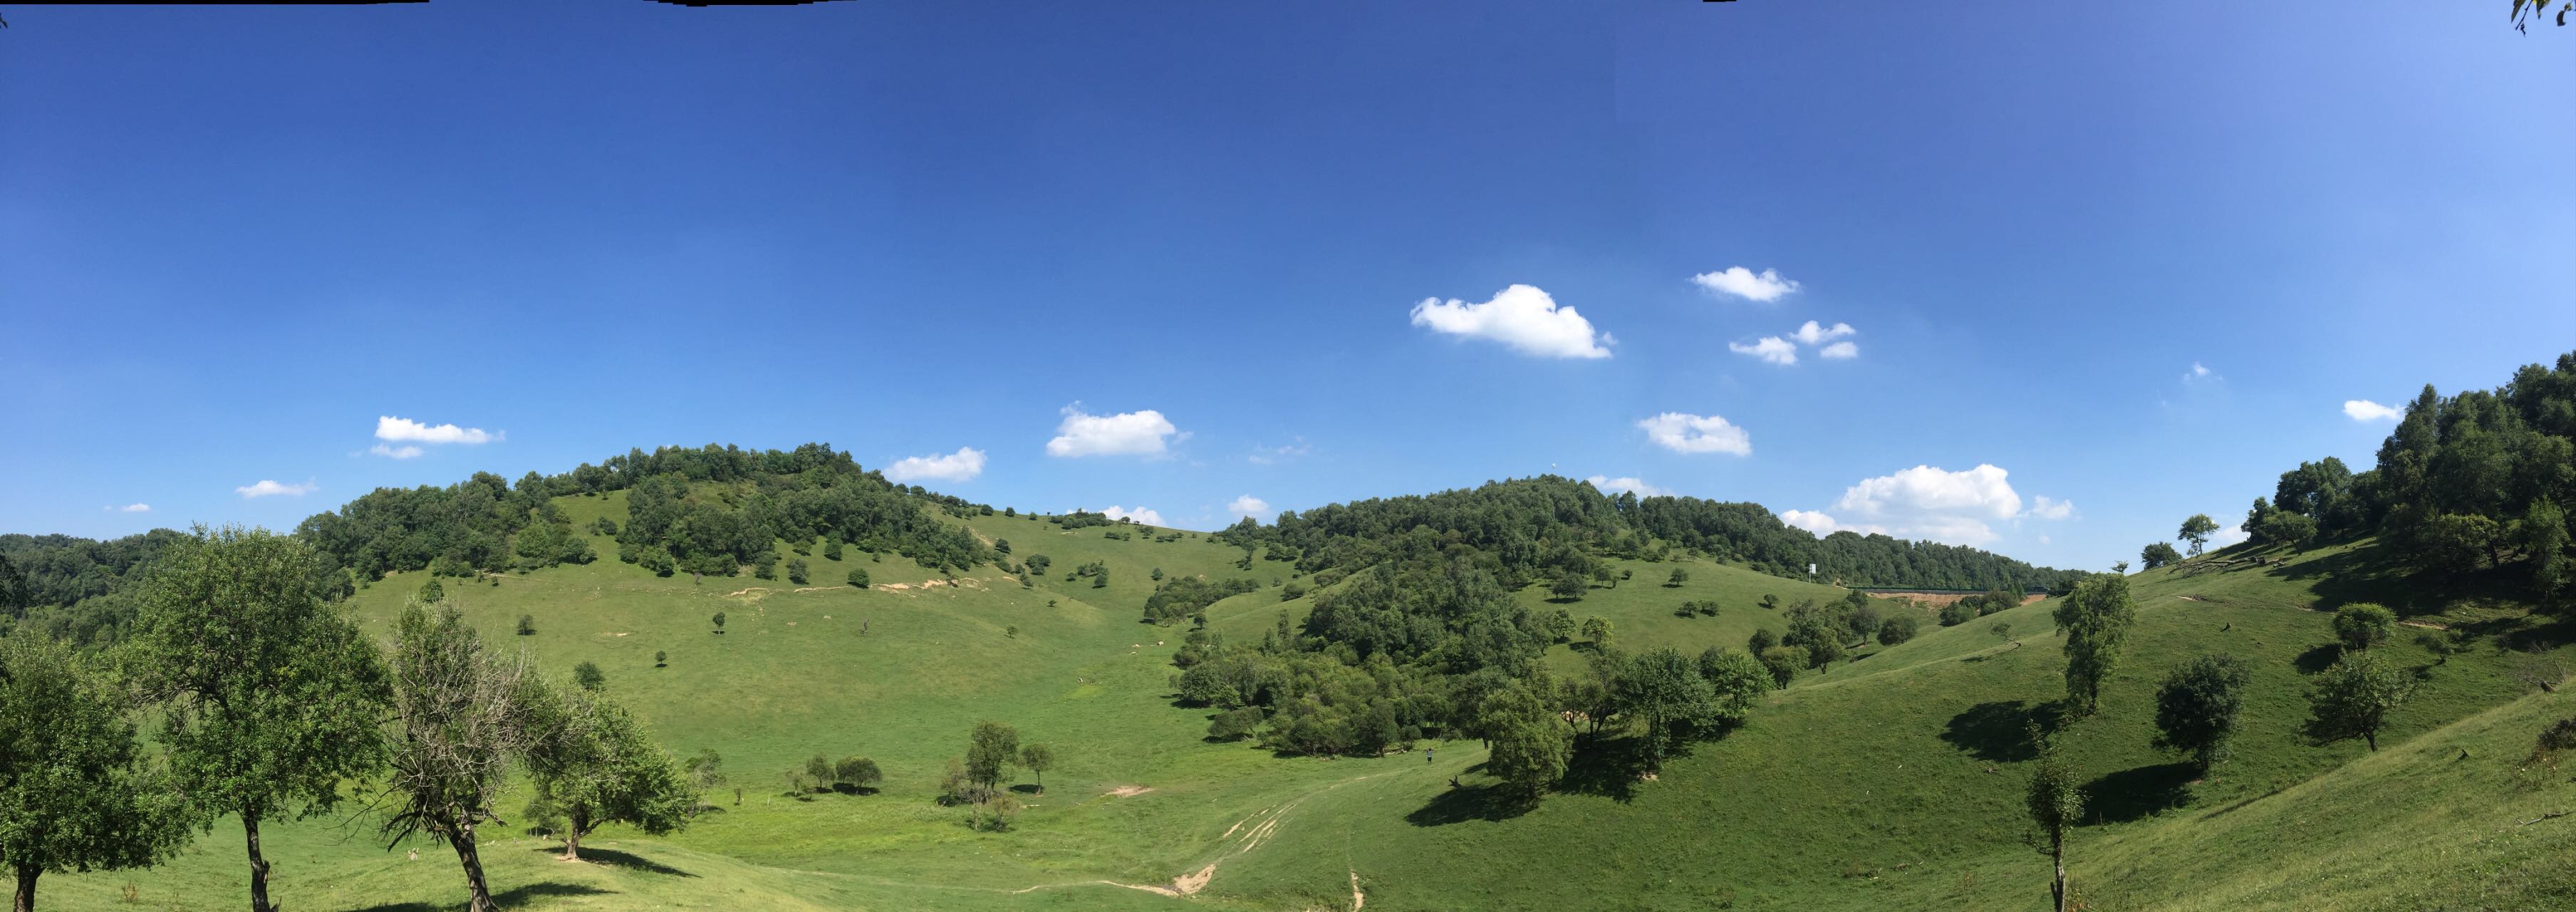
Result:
[[1897, 628], [2362, 625], [1783, 662], [856, 772], [1235, 725], [796, 571], [1957, 613], [588, 675], [859, 578], [527, 624]]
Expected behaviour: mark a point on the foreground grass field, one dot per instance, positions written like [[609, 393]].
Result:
[[1892, 781]]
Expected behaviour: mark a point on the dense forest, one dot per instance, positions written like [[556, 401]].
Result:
[[2465, 483]]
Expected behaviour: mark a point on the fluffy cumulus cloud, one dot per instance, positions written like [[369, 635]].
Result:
[[1765, 286], [2232, 535], [397, 430], [1814, 333], [389, 451], [1145, 433], [1683, 433], [2366, 410], [1249, 506], [1140, 514], [1839, 351], [133, 508], [1522, 317], [1637, 486], [962, 465], [1771, 349], [1933, 503], [267, 488]]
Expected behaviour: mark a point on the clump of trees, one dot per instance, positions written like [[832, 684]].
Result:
[[1182, 596]]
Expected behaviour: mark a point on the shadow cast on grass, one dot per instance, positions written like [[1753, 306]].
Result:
[[2131, 794], [1608, 767], [2318, 659], [506, 899], [1998, 731], [1474, 802]]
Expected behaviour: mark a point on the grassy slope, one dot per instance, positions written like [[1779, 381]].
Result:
[[1890, 781]]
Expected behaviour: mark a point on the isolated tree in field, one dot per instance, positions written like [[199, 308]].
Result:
[[2055, 803], [588, 676], [719, 621], [527, 624], [2158, 554], [1567, 586], [991, 747], [1597, 629], [660, 658], [1783, 662], [2362, 625], [1560, 625], [2196, 708], [1530, 745], [796, 571], [857, 772], [859, 578], [705, 769], [1770, 602], [2095, 618], [1897, 628], [598, 765], [2353, 697], [269, 699], [432, 592], [2197, 530], [74, 793], [461, 719], [1037, 758]]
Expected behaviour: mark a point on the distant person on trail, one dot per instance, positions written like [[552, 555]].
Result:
[[1426, 755]]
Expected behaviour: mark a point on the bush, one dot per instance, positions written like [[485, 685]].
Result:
[[1957, 613], [832, 550], [1896, 629], [588, 675], [2362, 625], [765, 565], [1783, 662], [859, 578], [856, 772], [796, 571], [1761, 640], [527, 624], [1235, 725]]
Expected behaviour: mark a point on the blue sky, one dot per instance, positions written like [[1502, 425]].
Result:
[[2134, 257]]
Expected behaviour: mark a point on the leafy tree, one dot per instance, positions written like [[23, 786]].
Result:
[[1958, 612], [2544, 537], [1597, 629], [1531, 745], [2353, 697], [1235, 724], [1738, 679], [859, 578], [2197, 530], [588, 676], [1568, 587], [705, 769], [719, 620], [1001, 546], [270, 699], [2362, 625], [527, 624], [2526, 10], [1825, 652], [74, 793], [2158, 554], [832, 548], [1783, 662], [2196, 708], [1663, 689], [1038, 563], [991, 748], [1770, 602], [1560, 625], [765, 564], [432, 592], [1761, 639], [857, 772], [1679, 577], [1100, 577], [598, 764], [2095, 619], [2459, 542], [2056, 804], [462, 718], [1896, 629], [818, 772], [1037, 758], [1157, 575], [2283, 526], [660, 658], [796, 571]]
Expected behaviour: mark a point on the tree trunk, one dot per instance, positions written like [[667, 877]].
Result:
[[2371, 738], [27, 888], [258, 865], [576, 823], [2057, 856], [463, 839]]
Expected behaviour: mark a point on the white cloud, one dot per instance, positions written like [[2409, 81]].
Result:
[[962, 465], [1814, 332], [131, 508], [1929, 503], [1839, 351], [1248, 505], [1766, 285], [1773, 349], [406, 451], [2366, 410], [2045, 507], [1273, 455], [1123, 434], [397, 429], [1140, 514], [1683, 433], [1637, 486], [267, 488], [2198, 371], [2232, 535], [1811, 521], [1522, 317]]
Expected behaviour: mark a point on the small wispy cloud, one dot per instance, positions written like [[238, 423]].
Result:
[[962, 465], [1637, 486], [1686, 433], [1140, 514], [268, 488], [1771, 349], [2046, 507], [131, 508], [1765, 286], [401, 429], [2198, 372], [1274, 455], [406, 451], [2366, 410]]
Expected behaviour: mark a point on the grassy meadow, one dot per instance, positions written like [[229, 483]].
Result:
[[1890, 781]]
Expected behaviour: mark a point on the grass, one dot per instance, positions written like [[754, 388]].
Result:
[[1892, 781]]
